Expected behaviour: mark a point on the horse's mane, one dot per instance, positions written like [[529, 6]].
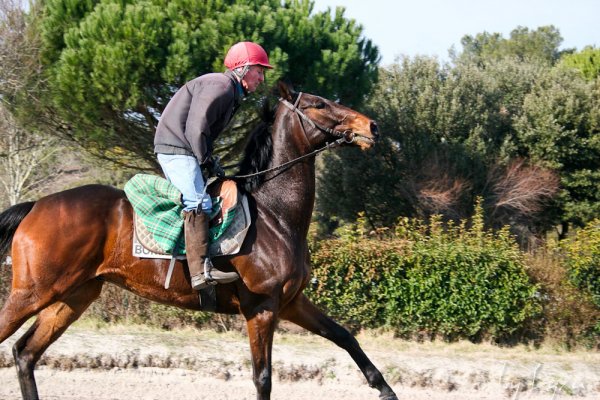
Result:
[[258, 151]]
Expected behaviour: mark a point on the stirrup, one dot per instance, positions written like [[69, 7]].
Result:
[[208, 267], [212, 276], [198, 282]]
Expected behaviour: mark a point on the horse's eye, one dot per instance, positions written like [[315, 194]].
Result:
[[319, 105]]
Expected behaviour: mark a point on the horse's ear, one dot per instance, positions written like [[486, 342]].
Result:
[[286, 91]]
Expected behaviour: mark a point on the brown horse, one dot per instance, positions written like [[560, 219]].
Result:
[[66, 245]]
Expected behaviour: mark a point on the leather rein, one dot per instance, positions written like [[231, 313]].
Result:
[[346, 136]]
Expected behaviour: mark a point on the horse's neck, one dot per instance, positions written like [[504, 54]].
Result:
[[290, 193]]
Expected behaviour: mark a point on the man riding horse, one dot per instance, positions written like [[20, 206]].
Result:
[[65, 247], [194, 117]]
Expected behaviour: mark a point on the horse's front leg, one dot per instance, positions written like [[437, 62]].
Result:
[[261, 326], [305, 314]]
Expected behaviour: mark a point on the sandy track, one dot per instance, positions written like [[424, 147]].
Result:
[[136, 363]]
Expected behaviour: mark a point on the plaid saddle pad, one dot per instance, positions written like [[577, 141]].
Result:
[[159, 212]]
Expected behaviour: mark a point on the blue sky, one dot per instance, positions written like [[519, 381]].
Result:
[[431, 27]]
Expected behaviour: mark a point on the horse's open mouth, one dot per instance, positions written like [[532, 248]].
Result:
[[363, 141]]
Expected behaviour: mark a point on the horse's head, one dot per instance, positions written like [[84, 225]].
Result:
[[330, 119]]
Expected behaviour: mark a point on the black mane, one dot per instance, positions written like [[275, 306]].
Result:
[[258, 151]]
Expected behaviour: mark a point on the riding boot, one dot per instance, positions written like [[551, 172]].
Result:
[[196, 245]]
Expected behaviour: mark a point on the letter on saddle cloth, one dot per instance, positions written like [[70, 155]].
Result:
[[229, 223]]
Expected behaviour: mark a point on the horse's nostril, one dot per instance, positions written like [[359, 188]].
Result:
[[374, 129]]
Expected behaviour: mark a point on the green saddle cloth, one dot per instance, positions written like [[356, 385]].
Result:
[[157, 202]]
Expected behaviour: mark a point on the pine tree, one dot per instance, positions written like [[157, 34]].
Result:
[[112, 66]]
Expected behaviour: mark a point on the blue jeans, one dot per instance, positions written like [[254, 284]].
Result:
[[185, 174]]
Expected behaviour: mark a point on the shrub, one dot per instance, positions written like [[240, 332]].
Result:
[[349, 278], [583, 259], [461, 283], [570, 318], [431, 279]]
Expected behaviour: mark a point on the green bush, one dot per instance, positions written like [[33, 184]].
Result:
[[583, 259], [349, 278], [461, 282], [427, 279]]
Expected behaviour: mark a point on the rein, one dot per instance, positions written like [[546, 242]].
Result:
[[343, 137]]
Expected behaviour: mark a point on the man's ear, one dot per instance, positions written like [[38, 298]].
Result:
[[286, 91]]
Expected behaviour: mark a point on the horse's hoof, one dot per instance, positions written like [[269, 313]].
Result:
[[388, 397]]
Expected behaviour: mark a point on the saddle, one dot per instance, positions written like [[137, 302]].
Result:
[[158, 225]]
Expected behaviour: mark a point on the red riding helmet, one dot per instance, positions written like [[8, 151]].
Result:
[[245, 54]]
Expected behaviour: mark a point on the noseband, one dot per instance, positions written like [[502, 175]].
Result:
[[347, 135]]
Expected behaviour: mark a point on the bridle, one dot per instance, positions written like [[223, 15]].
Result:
[[346, 136]]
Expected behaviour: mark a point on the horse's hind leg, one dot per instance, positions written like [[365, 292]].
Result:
[[305, 314], [49, 325], [19, 306]]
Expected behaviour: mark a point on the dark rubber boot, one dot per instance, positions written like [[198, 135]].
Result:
[[196, 245]]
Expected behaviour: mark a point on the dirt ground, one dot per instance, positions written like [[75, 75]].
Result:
[[130, 363]]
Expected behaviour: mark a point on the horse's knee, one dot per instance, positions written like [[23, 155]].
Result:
[[24, 362], [262, 381], [24, 359]]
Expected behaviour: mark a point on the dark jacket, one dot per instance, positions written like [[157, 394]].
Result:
[[197, 114]]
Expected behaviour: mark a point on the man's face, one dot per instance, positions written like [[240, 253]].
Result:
[[254, 77]]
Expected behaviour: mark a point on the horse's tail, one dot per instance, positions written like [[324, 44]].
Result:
[[9, 221]]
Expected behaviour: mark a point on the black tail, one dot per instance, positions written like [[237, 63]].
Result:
[[9, 221]]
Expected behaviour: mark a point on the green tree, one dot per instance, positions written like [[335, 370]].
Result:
[[405, 102], [540, 44], [587, 62], [448, 137], [560, 128], [113, 65]]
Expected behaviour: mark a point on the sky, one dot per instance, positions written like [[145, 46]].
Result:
[[432, 27]]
